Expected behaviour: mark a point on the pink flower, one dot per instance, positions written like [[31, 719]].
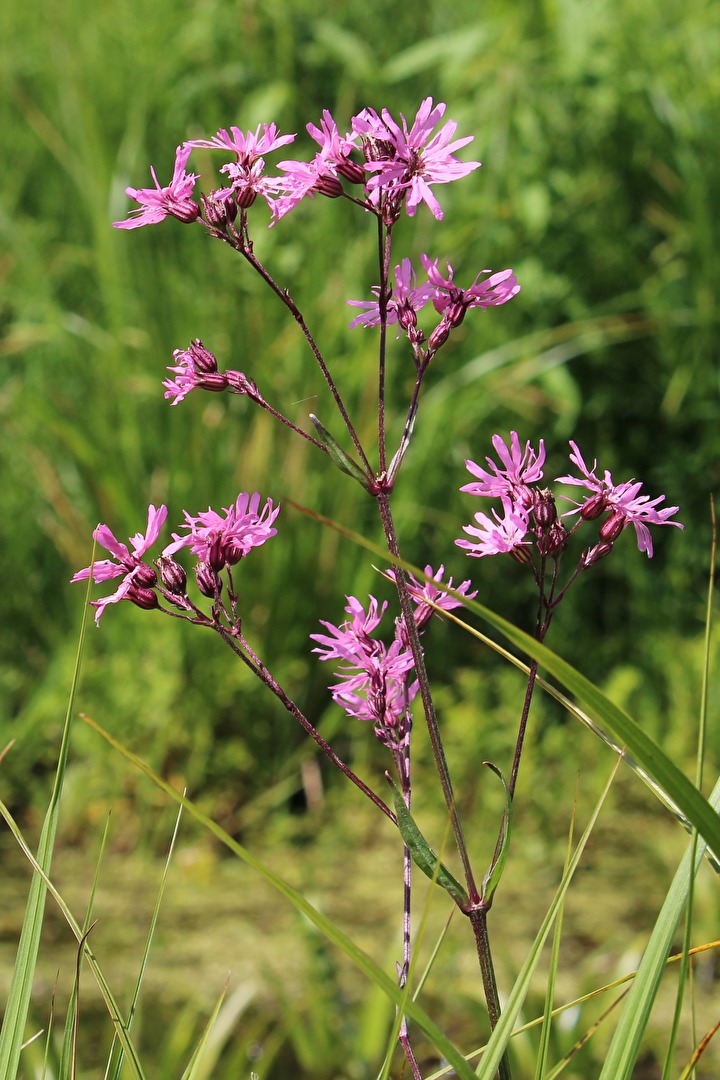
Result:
[[407, 162], [406, 300], [336, 149], [521, 468], [450, 299], [374, 681], [223, 539], [624, 501], [138, 576], [505, 534], [247, 171], [157, 203], [195, 367], [425, 593]]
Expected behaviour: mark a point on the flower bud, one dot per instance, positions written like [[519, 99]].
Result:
[[329, 186], [144, 575], [216, 553], [612, 526], [554, 541], [593, 555], [352, 171], [543, 508], [521, 554], [142, 598], [439, 335], [203, 359], [593, 508], [220, 208], [187, 210], [245, 196], [172, 576], [208, 581]]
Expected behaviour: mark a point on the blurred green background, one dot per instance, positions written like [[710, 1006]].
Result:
[[596, 125]]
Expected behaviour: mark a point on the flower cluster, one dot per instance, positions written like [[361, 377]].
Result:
[[529, 513], [196, 368], [448, 299], [376, 678], [396, 164], [217, 540]]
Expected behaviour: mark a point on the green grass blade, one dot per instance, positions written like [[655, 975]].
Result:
[[623, 1050], [16, 1010], [116, 1071], [360, 958], [110, 1003]]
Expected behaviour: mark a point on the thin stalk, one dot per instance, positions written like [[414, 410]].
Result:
[[242, 649], [426, 696], [478, 919]]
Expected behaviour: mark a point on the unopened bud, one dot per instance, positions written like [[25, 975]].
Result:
[[220, 207], [142, 598], [208, 581], [352, 171], [203, 359], [521, 554], [144, 575], [544, 509], [216, 553], [172, 576], [612, 526], [593, 508], [329, 186], [593, 555], [187, 211], [439, 336], [554, 541]]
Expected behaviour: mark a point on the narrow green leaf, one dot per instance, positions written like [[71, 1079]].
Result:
[[423, 855], [623, 1051], [338, 455], [18, 1001], [495, 871], [110, 1002]]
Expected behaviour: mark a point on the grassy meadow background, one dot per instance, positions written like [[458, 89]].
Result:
[[596, 125]]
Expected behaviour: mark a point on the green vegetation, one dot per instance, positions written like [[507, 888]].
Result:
[[596, 127]]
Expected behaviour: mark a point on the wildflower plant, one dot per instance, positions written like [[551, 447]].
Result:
[[383, 168]]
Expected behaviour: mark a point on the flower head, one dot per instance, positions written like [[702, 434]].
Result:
[[406, 300], [374, 678], [157, 203], [138, 577], [404, 161], [449, 299], [505, 534], [246, 146], [624, 502], [521, 467], [428, 596], [223, 539]]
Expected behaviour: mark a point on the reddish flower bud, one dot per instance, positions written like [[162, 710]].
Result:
[[208, 581], [439, 335], [172, 576], [186, 210], [612, 526], [593, 555], [220, 207], [543, 508], [522, 554], [203, 359], [352, 171], [144, 575], [329, 186], [143, 598], [593, 508]]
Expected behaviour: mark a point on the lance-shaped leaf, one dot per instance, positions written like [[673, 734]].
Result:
[[422, 854], [495, 870], [337, 454]]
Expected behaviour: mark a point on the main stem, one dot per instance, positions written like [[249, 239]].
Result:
[[426, 696]]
